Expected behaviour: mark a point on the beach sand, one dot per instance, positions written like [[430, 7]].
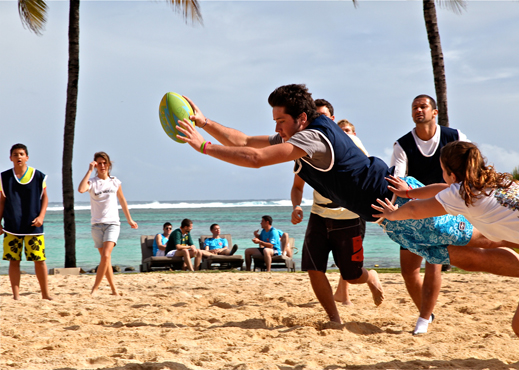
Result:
[[253, 321]]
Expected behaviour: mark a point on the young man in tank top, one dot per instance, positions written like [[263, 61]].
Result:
[[417, 154]]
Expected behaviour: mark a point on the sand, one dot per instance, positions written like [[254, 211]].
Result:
[[253, 321]]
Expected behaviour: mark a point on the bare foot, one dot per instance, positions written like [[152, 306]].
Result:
[[116, 293], [93, 292], [345, 302], [16, 297], [50, 298], [375, 287]]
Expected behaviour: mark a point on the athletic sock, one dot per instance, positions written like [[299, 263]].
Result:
[[421, 326], [431, 318]]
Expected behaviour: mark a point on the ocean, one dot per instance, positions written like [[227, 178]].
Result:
[[238, 218]]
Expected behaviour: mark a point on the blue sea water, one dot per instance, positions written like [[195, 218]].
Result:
[[239, 218]]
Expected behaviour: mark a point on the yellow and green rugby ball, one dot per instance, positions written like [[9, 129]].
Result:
[[174, 107]]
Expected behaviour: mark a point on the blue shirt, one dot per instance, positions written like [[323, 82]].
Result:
[[271, 237], [164, 241], [217, 243]]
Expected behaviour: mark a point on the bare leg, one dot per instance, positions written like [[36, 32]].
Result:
[[342, 293], [323, 292], [105, 268], [248, 257], [267, 256], [410, 266], [371, 278], [14, 277], [515, 322], [480, 241], [198, 259], [249, 254], [186, 253], [497, 261], [40, 268], [432, 284], [286, 248]]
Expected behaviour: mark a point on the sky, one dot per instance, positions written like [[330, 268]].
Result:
[[369, 61]]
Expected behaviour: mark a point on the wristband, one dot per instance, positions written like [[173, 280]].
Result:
[[204, 124], [407, 192], [204, 146], [299, 205]]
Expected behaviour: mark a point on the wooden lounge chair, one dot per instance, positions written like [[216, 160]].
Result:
[[149, 262], [278, 262], [220, 262]]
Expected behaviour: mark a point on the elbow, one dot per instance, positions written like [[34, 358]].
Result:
[[255, 161]]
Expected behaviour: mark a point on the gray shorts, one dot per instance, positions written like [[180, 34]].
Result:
[[105, 233]]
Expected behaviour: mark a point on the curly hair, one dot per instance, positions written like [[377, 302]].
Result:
[[466, 162], [295, 99]]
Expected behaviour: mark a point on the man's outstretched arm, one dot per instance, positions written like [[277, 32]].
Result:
[[241, 156], [225, 135]]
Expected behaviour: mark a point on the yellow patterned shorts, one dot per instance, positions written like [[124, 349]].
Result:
[[34, 247]]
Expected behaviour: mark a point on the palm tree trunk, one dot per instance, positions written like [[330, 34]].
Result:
[[440, 83], [69, 218]]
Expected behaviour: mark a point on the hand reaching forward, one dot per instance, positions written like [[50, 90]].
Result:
[[399, 186], [386, 210]]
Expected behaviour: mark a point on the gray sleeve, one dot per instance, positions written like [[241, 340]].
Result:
[[317, 148], [275, 139]]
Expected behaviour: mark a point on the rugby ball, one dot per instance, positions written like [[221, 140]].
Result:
[[173, 107]]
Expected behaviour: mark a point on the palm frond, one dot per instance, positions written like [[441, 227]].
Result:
[[33, 14], [189, 9], [457, 6]]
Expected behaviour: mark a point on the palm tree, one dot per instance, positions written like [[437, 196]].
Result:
[[431, 24], [33, 15]]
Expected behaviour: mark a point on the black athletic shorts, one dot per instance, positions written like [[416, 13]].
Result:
[[342, 237]]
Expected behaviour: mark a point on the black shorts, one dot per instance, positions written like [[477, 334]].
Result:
[[342, 237]]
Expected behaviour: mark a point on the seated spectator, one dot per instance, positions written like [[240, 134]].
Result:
[[181, 244], [286, 248], [268, 241], [218, 245], [159, 243]]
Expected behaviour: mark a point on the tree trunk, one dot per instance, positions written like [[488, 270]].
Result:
[[69, 218], [440, 83]]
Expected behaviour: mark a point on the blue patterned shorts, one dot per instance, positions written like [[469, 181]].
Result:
[[430, 237]]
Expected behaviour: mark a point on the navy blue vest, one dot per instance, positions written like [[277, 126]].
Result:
[[355, 181], [22, 203], [426, 169]]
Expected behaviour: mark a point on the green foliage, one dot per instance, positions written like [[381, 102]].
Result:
[[515, 173]]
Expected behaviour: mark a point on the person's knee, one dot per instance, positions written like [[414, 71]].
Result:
[[515, 323], [355, 276], [315, 274]]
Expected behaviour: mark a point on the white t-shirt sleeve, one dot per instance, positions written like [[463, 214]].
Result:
[[399, 160], [463, 137], [451, 200]]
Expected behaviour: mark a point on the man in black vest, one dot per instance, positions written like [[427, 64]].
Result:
[[417, 154]]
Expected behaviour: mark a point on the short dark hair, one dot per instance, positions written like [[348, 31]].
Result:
[[186, 222], [166, 224], [431, 100], [211, 227], [295, 99], [19, 146], [324, 103], [268, 219]]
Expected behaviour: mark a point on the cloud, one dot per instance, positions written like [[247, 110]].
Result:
[[504, 160]]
